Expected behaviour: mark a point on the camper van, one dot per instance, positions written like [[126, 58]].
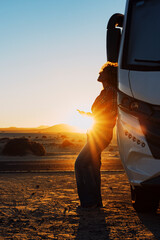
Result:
[[133, 40]]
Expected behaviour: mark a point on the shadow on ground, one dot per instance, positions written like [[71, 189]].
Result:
[[92, 225], [151, 222]]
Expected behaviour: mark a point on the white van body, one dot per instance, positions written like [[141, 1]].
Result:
[[139, 80], [137, 50]]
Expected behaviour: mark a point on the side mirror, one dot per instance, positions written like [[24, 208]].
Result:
[[114, 37], [113, 44]]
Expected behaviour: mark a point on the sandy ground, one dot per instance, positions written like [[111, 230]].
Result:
[[43, 206], [37, 205]]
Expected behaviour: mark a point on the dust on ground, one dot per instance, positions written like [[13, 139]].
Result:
[[43, 206]]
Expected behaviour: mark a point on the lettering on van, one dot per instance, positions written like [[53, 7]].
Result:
[[134, 139]]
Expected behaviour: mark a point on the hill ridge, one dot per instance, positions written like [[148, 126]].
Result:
[[62, 127]]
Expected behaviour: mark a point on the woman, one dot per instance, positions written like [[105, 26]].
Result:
[[88, 163]]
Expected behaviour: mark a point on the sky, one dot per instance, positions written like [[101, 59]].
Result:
[[50, 54]]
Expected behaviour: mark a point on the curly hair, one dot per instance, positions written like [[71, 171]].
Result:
[[108, 73]]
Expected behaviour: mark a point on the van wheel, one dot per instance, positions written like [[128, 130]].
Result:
[[144, 200]]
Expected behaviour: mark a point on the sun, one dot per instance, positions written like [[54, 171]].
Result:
[[82, 122], [86, 124]]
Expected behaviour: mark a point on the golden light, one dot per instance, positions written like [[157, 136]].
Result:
[[86, 124], [84, 121]]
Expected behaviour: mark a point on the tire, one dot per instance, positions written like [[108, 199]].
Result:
[[144, 200]]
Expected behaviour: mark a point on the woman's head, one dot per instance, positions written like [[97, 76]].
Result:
[[108, 74]]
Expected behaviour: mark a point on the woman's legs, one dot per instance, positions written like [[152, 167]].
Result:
[[87, 169]]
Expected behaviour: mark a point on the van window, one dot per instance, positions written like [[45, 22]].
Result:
[[143, 30]]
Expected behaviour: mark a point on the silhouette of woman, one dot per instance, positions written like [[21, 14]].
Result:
[[88, 163]]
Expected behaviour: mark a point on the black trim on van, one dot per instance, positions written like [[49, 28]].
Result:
[[151, 130]]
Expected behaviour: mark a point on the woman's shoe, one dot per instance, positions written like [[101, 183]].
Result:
[[89, 207]]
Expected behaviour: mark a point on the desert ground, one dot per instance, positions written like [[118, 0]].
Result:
[[43, 206], [61, 152], [41, 202]]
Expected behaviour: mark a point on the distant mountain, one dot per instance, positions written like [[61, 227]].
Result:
[[61, 128], [44, 129], [16, 129]]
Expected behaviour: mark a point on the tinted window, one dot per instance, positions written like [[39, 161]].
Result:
[[142, 41]]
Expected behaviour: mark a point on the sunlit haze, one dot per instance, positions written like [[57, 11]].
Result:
[[51, 53]]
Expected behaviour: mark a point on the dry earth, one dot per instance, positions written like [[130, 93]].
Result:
[[43, 206]]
